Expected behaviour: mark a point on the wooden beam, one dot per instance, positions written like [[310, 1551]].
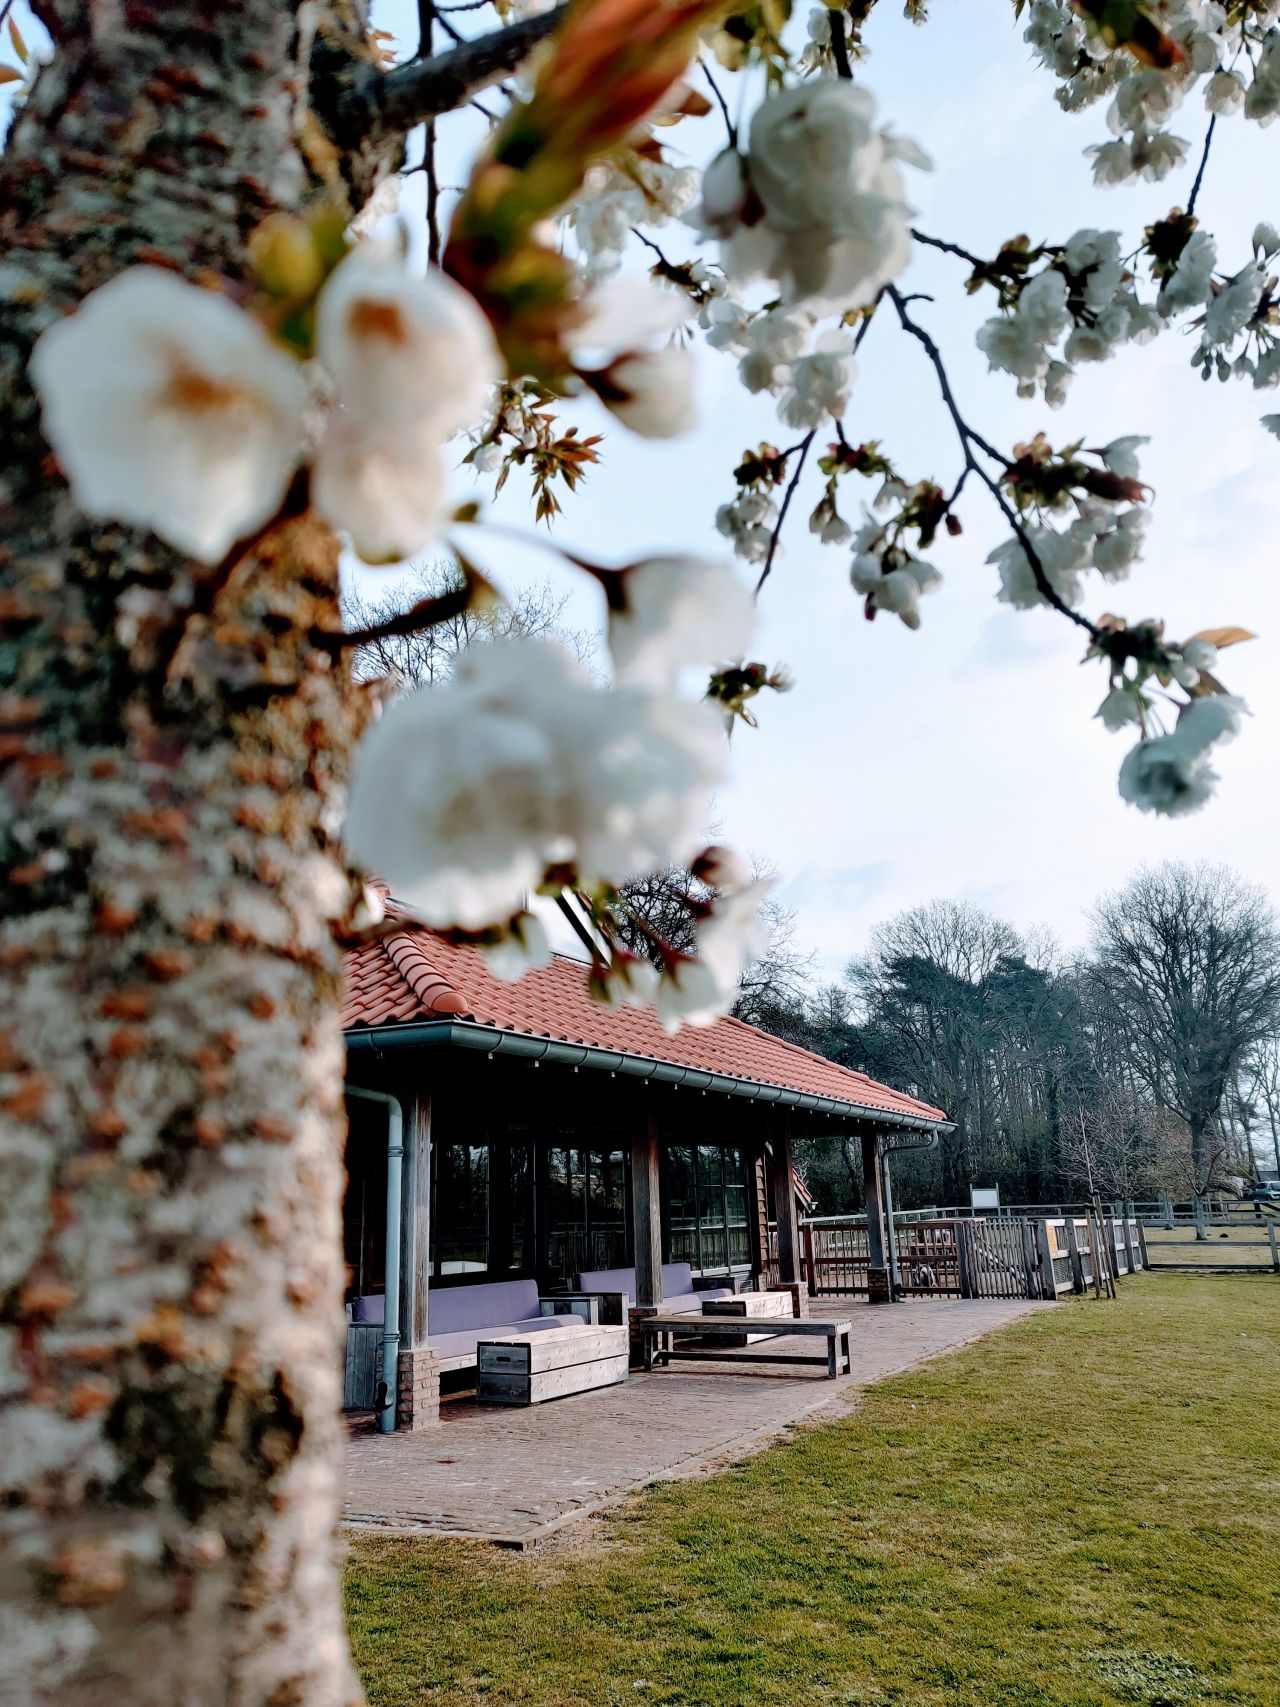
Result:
[[877, 1246], [646, 1204], [415, 1218], [784, 1204]]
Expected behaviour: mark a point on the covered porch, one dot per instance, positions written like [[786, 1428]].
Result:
[[532, 1154]]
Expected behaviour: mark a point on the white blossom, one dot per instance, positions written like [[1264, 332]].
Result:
[[1121, 706], [1224, 92], [1190, 285], [652, 392], [463, 795], [900, 588], [688, 994], [1170, 774], [734, 934], [1121, 455], [386, 489], [170, 408], [403, 350], [774, 341], [821, 383], [1200, 654], [1266, 239], [831, 219], [677, 611], [1234, 305], [524, 947]]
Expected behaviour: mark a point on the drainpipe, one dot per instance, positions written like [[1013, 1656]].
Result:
[[385, 1404]]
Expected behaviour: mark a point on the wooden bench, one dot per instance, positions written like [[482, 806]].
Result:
[[526, 1369], [752, 1305], [659, 1332]]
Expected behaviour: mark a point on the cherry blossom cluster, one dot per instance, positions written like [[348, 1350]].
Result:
[[173, 408], [1099, 495], [1149, 62], [1081, 307], [523, 775], [1167, 772]]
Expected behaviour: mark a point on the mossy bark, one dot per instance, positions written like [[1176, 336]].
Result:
[[172, 757]]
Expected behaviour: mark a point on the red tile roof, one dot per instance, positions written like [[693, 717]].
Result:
[[415, 975]]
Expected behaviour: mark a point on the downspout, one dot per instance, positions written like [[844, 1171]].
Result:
[[385, 1403]]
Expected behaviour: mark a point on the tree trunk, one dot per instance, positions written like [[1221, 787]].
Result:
[[170, 1051], [1199, 1173]]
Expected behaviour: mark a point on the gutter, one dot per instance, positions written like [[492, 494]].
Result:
[[467, 1034], [385, 1403]]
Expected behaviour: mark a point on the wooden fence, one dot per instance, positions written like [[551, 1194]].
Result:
[[971, 1256]]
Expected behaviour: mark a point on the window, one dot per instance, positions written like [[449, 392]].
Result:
[[461, 1221], [706, 1197], [586, 1207]]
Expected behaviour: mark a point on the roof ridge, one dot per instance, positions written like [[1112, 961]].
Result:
[[405, 952]]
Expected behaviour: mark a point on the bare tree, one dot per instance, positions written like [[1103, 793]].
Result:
[[1189, 959], [428, 656], [1261, 1083]]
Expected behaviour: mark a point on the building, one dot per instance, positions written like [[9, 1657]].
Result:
[[524, 1130]]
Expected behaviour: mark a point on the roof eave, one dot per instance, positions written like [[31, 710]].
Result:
[[468, 1034]]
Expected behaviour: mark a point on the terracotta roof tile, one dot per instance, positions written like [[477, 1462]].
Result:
[[416, 975]]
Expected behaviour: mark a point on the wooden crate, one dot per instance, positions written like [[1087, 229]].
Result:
[[526, 1369]]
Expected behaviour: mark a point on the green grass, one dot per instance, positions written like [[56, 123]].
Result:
[[1245, 1243], [1083, 1509]]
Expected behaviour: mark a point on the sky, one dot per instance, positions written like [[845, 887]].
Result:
[[963, 759]]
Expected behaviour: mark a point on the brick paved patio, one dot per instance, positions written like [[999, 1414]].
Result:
[[516, 1476]]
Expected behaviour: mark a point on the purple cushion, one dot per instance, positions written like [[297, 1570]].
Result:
[[677, 1279], [370, 1308], [450, 1309]]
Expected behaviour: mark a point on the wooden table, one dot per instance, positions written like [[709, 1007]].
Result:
[[526, 1369], [658, 1333]]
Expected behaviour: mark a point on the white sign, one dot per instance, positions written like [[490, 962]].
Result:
[[984, 1196]]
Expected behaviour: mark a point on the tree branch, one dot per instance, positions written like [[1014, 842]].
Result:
[[968, 440], [803, 448], [1204, 161], [409, 94]]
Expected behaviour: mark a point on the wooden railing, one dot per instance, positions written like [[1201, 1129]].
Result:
[[969, 1256]]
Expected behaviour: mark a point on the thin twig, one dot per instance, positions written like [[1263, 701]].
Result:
[[786, 505], [721, 103], [426, 46], [947, 248], [1204, 161], [968, 439]]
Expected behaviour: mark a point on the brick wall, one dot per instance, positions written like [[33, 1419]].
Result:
[[418, 1389]]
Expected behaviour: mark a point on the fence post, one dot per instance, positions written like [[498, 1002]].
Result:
[[1275, 1250], [1167, 1212], [1048, 1279], [1029, 1258], [810, 1276], [1109, 1233], [1128, 1243], [964, 1266], [1073, 1247]]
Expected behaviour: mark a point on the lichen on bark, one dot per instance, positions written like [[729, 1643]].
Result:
[[170, 1053]]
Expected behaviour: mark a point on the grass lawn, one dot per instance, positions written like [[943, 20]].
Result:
[[1082, 1510], [1245, 1243]]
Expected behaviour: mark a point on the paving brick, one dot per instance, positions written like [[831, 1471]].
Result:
[[517, 1475]]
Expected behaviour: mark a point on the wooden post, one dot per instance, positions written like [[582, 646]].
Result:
[[784, 1205], [1073, 1247], [646, 1210], [964, 1259], [1275, 1250], [1142, 1246], [1029, 1259], [878, 1290], [415, 1218], [1128, 1244], [810, 1273], [1048, 1279]]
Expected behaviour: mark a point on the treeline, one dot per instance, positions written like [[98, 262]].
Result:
[[1148, 1064]]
